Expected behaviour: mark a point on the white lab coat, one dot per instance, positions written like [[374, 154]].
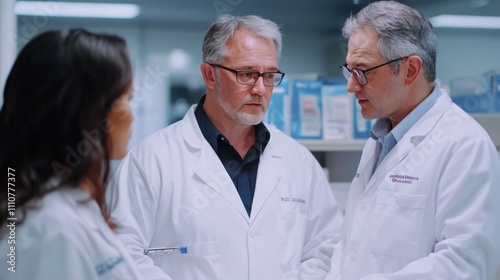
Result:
[[172, 190], [431, 210], [64, 238]]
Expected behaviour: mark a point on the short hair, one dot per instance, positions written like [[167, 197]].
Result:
[[214, 45], [58, 94], [403, 31]]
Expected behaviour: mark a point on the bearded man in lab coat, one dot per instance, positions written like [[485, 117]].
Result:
[[220, 195], [424, 202]]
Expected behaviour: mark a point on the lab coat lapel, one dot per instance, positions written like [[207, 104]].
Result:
[[210, 169], [268, 177], [366, 164], [394, 157], [412, 138]]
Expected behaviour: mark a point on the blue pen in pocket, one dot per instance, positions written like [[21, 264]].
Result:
[[167, 250]]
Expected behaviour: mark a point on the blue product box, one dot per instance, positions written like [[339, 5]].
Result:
[[473, 95], [306, 109], [473, 103], [495, 91], [277, 111], [361, 126], [327, 80], [337, 112]]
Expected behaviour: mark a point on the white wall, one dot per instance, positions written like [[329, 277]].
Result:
[[467, 53], [151, 49], [460, 54]]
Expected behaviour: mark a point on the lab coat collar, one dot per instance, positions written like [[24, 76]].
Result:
[[191, 131], [268, 175], [216, 177], [412, 138], [85, 206], [211, 171], [90, 214]]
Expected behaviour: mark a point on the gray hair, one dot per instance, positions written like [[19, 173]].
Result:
[[403, 32], [214, 45]]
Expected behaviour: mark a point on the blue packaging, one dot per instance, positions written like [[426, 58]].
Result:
[[277, 112], [337, 112], [361, 127], [306, 109], [473, 95], [494, 80], [473, 103]]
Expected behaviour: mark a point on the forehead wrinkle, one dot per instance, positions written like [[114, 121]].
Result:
[[246, 49], [363, 48]]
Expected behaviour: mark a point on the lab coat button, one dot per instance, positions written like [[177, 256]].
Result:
[[252, 234], [354, 256], [363, 207]]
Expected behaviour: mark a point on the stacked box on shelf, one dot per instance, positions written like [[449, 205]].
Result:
[[337, 112], [494, 81], [342, 117], [471, 94], [496, 87], [306, 115], [278, 111], [360, 126]]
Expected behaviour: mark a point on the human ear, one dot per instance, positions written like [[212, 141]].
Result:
[[413, 69], [208, 73]]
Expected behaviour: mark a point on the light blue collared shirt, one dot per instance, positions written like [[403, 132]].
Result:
[[387, 137]]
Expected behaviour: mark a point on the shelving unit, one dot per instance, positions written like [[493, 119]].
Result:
[[333, 145], [341, 157], [490, 122]]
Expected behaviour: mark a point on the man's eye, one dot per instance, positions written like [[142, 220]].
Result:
[[246, 74], [269, 76]]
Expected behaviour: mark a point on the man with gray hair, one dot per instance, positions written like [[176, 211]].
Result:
[[219, 194], [424, 203]]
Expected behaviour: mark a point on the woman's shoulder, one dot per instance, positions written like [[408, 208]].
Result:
[[58, 214]]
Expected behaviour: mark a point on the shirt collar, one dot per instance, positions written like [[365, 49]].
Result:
[[212, 134], [382, 127]]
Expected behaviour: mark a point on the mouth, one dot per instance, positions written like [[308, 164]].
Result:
[[362, 101], [254, 105]]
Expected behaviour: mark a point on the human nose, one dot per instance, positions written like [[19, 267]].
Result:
[[259, 87], [352, 84]]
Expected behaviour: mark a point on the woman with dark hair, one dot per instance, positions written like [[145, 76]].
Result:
[[66, 113]]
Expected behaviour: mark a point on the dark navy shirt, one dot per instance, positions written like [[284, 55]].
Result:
[[243, 171]]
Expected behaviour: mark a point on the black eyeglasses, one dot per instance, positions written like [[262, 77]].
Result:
[[249, 78], [359, 74]]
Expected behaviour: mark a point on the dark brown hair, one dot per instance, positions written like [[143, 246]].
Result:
[[53, 121]]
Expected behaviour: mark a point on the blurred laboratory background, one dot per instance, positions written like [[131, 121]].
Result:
[[165, 38]]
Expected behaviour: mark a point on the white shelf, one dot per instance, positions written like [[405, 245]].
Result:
[[490, 122], [333, 145]]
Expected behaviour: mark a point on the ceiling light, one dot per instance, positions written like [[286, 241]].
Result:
[[454, 21], [179, 59], [76, 9]]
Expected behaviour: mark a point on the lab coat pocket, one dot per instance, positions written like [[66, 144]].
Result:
[[205, 257], [291, 232], [397, 224]]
